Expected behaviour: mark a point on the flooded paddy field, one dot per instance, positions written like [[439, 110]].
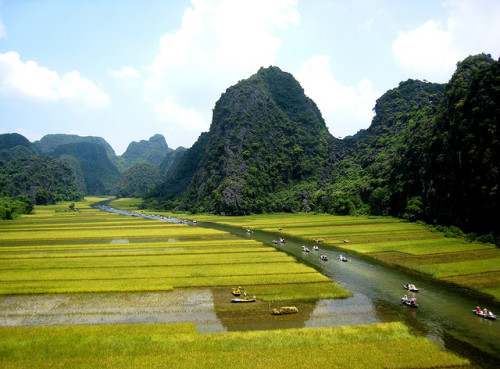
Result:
[[183, 274]]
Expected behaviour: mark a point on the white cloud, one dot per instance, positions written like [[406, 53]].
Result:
[[432, 50], [125, 72], [28, 79], [181, 124], [218, 43], [346, 109]]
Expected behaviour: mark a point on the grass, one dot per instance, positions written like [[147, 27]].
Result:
[[390, 240], [388, 345], [92, 251]]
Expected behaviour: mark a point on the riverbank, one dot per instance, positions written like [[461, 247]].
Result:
[[469, 265]]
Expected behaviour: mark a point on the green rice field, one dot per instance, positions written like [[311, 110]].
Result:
[[60, 251], [388, 345], [475, 266], [72, 266]]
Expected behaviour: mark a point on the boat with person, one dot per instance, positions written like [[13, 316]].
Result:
[[236, 291], [409, 302], [343, 258], [305, 249], [484, 313], [315, 248], [323, 257], [410, 287], [245, 299]]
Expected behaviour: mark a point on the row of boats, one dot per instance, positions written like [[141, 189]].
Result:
[[412, 302], [405, 300]]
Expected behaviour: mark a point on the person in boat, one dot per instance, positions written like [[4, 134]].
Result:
[[478, 310], [485, 311], [244, 294], [405, 298]]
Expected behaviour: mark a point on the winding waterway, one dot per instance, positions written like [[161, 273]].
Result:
[[445, 313]]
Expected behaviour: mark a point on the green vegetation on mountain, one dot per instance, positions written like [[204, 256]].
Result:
[[138, 180], [171, 162], [13, 145], [431, 153], [48, 143], [90, 159], [266, 136], [153, 151], [36, 180], [164, 195]]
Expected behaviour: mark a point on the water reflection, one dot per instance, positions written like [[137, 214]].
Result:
[[444, 315]]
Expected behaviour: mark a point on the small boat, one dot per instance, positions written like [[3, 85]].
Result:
[[245, 299], [315, 248], [275, 242], [409, 302], [285, 310], [282, 240], [248, 230], [410, 287], [323, 257], [343, 258], [305, 249], [488, 315], [236, 291]]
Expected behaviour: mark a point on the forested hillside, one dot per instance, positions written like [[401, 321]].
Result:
[[152, 151], [266, 139], [99, 174], [431, 153], [27, 178]]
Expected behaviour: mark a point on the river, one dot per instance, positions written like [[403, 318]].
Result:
[[444, 314]]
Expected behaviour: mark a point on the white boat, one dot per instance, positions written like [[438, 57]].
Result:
[[305, 249], [323, 257], [245, 299], [315, 248], [488, 315]]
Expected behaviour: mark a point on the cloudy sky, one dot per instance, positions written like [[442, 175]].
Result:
[[125, 70]]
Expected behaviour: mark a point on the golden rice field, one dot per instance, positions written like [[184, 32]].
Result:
[[388, 345], [59, 251], [475, 266], [56, 251]]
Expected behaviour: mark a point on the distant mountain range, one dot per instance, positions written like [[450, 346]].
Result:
[[432, 153]]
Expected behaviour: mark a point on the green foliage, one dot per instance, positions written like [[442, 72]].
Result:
[[138, 180], [153, 151], [42, 179], [11, 208], [432, 153], [90, 159]]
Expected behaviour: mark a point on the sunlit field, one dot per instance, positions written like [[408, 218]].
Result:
[[61, 251], [472, 265], [128, 263], [387, 345]]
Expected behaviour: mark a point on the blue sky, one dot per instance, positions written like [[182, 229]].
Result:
[[125, 70]]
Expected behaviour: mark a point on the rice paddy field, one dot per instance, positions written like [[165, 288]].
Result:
[[475, 266], [75, 287], [388, 345], [58, 251]]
